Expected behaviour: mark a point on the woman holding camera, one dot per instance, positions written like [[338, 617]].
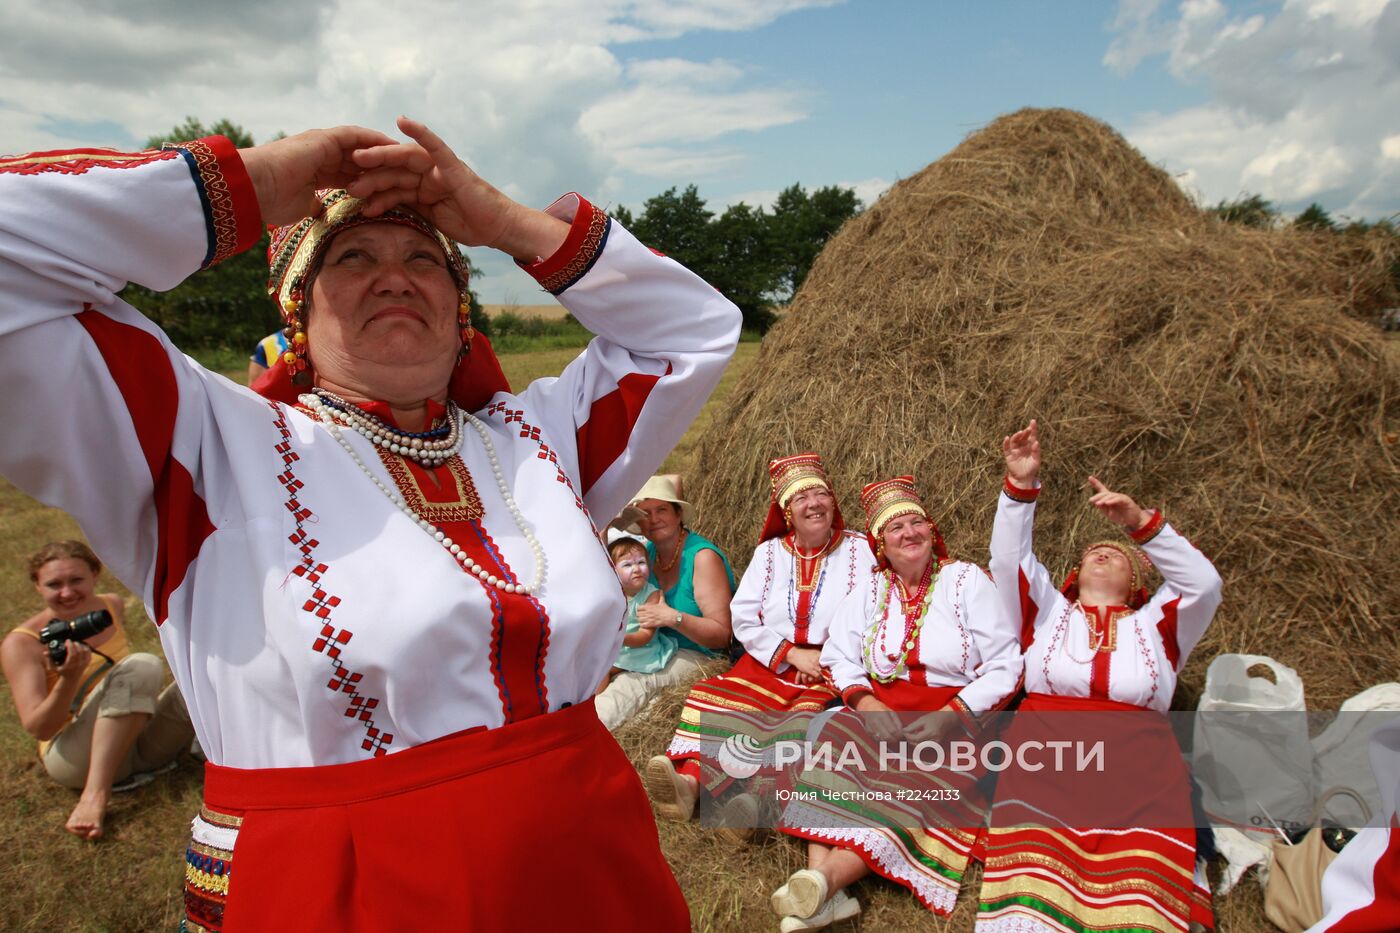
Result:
[[96, 708]]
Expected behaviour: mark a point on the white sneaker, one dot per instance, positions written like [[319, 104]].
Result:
[[840, 907], [802, 896], [738, 819], [673, 794]]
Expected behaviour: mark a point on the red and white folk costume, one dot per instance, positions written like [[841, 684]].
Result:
[[1119, 659], [423, 759], [1361, 888], [948, 646], [786, 599]]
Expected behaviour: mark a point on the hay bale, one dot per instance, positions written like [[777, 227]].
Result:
[[1045, 269]]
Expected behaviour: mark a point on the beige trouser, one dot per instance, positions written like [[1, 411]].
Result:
[[132, 686], [629, 692]]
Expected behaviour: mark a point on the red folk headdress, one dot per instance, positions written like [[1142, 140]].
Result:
[[888, 499], [789, 476]]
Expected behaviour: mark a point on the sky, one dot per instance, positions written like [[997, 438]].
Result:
[[1297, 100]]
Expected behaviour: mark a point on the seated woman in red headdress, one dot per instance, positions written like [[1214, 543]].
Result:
[[805, 564], [924, 633], [1111, 848]]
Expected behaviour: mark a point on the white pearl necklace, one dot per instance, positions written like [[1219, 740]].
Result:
[[428, 452], [533, 587]]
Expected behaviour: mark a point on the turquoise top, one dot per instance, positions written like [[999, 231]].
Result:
[[655, 654], [681, 597]]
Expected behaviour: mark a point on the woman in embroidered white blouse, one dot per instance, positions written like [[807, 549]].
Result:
[[378, 585]]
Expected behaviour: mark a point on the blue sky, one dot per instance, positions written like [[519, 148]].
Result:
[[621, 99]]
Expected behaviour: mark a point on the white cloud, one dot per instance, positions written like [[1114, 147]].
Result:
[[532, 93], [1303, 97]]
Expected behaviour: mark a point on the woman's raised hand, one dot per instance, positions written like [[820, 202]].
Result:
[[287, 172], [1022, 452], [427, 175], [1117, 507]]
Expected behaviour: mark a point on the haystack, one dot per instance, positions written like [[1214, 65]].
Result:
[[1045, 269]]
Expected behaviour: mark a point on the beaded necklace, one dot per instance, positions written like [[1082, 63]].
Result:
[[324, 412], [429, 448], [915, 608], [675, 556]]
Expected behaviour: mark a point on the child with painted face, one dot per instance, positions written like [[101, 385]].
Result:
[[644, 651]]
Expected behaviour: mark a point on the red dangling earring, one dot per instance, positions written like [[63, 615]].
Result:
[[295, 332], [464, 325]]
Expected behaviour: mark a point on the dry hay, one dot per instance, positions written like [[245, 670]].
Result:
[[1044, 269]]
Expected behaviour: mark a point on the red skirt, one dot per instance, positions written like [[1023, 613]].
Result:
[[541, 824], [1108, 849]]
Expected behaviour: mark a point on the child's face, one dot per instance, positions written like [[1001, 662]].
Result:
[[631, 567]]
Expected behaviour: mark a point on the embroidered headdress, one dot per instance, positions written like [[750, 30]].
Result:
[[293, 257], [887, 500], [1137, 563], [789, 476]]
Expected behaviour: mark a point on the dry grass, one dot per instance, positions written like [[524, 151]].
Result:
[[550, 312]]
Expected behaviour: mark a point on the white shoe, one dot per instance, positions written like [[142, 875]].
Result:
[[802, 896], [738, 819], [673, 794], [840, 907]]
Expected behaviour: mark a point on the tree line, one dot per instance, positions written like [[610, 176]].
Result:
[[758, 258]]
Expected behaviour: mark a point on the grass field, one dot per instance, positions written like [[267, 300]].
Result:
[[130, 881]]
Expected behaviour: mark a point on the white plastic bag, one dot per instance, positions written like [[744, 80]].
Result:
[[1251, 753]]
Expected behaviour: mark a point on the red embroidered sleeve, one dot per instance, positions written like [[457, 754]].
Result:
[[970, 723], [232, 218], [852, 695], [1149, 531], [780, 655], [587, 234], [1017, 494]]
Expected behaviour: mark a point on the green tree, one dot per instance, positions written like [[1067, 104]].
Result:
[[742, 262], [679, 226], [1247, 210], [1315, 218], [801, 225], [194, 129]]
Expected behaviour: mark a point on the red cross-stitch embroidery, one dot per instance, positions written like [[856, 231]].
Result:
[[322, 604], [531, 432]]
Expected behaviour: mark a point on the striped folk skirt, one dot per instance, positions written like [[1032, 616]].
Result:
[[913, 827], [1091, 850], [748, 704]]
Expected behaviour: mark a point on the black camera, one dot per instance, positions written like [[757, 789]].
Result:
[[57, 632]]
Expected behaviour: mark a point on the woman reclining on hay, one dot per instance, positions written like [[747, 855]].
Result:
[[926, 633], [1096, 644], [805, 564]]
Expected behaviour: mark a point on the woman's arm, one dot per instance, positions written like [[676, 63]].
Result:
[[103, 416], [765, 644], [995, 636], [841, 653], [711, 586], [1023, 585], [42, 713]]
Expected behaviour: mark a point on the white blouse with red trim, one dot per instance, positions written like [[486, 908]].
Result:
[[778, 605], [308, 620], [965, 640], [1129, 657]]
